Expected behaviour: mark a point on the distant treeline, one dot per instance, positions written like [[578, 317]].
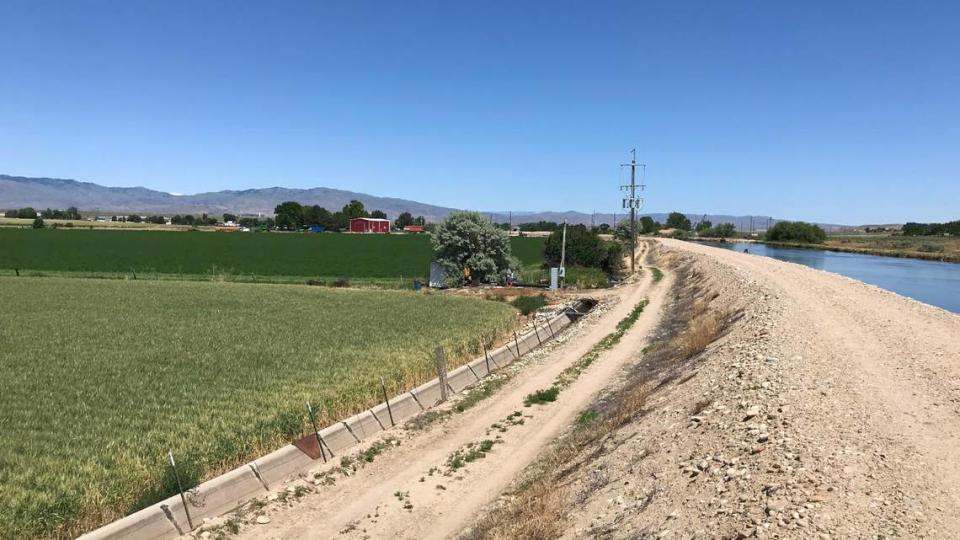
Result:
[[30, 213], [931, 229], [294, 216]]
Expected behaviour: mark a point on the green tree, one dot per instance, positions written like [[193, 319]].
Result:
[[10, 214], [724, 230], [584, 247], [796, 231], [378, 214], [229, 217], [38, 223], [404, 219], [134, 218], [158, 220], [622, 232], [289, 215], [704, 226], [647, 225], [73, 213], [318, 215], [27, 213], [466, 240], [676, 220], [354, 209]]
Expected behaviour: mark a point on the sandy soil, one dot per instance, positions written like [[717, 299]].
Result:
[[830, 410], [410, 491]]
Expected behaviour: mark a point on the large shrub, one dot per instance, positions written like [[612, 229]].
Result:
[[468, 240], [796, 231], [677, 220], [584, 248], [723, 230]]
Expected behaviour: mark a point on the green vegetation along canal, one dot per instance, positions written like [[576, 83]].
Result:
[[931, 282]]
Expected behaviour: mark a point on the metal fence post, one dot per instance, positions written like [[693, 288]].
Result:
[[316, 432], [183, 498], [386, 400]]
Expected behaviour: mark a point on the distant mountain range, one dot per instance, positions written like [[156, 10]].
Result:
[[40, 193]]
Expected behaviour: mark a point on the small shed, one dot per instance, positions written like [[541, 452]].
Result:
[[370, 225]]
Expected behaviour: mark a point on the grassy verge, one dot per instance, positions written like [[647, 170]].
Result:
[[577, 276], [945, 249], [216, 372]]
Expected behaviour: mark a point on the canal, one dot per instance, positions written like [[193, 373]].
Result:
[[931, 282]]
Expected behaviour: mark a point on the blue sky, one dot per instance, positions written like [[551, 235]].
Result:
[[825, 111]]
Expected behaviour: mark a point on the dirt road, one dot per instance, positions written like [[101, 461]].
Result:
[[412, 491]]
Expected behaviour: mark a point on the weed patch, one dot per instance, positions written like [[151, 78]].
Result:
[[468, 454], [540, 397], [529, 304]]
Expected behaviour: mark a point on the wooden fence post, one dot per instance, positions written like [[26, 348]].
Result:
[[486, 356], [442, 373]]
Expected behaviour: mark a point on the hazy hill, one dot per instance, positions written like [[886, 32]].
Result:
[[18, 192]]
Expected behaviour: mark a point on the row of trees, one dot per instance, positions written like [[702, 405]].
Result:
[[190, 219], [931, 229], [49, 213], [293, 216]]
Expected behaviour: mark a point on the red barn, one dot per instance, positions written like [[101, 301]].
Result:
[[370, 225]]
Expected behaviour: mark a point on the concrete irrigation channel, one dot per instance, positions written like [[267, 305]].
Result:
[[169, 518]]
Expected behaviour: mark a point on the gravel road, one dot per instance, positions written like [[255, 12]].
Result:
[[830, 410]]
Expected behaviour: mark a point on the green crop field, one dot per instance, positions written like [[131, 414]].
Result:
[[212, 254], [102, 377]]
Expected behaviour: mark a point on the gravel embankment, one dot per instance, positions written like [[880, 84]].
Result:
[[830, 410]]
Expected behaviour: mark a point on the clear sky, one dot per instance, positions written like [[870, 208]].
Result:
[[827, 111]]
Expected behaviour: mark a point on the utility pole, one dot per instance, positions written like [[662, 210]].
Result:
[[563, 255], [633, 202]]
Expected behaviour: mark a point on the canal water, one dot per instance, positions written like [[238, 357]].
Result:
[[931, 282]]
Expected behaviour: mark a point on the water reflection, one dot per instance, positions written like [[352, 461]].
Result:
[[932, 282]]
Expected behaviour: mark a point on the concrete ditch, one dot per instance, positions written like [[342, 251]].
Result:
[[217, 496]]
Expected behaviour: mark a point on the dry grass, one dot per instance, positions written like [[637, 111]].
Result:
[[537, 508]]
